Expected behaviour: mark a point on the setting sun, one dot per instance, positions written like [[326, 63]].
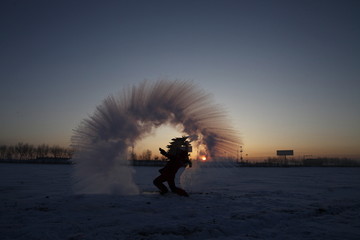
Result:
[[203, 158]]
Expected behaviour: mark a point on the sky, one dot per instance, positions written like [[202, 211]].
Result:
[[287, 72]]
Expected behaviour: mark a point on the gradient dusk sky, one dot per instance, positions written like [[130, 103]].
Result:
[[287, 72]]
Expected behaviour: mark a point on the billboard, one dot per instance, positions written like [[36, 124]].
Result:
[[285, 152]]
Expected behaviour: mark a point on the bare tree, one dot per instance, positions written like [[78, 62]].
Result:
[[146, 155], [10, 152], [42, 151], [24, 151], [30, 151], [56, 151], [3, 150], [20, 150], [133, 156], [69, 152]]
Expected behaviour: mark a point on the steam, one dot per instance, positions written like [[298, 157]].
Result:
[[103, 139]]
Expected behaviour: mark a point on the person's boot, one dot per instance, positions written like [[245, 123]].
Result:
[[181, 192]]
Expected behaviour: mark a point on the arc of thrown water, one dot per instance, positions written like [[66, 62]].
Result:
[[103, 139]]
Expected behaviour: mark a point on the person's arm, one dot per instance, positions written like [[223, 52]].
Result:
[[187, 161], [163, 152]]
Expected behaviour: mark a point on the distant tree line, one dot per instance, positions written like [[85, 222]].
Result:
[[331, 162], [146, 155], [25, 151], [308, 162]]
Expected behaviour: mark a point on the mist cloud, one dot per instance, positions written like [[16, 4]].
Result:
[[103, 139]]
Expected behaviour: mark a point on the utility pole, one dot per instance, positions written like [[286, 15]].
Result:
[[241, 156], [237, 155]]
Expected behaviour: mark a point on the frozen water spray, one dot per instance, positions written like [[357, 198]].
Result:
[[102, 140]]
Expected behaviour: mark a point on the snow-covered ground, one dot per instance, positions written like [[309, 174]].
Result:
[[37, 202]]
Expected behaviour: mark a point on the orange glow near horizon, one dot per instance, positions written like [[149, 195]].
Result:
[[203, 158]]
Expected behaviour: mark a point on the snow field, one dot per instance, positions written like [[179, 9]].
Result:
[[37, 202]]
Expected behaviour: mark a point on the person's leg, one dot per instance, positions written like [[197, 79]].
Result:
[[174, 189], [158, 182], [171, 182]]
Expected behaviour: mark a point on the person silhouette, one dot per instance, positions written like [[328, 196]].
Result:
[[178, 156]]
